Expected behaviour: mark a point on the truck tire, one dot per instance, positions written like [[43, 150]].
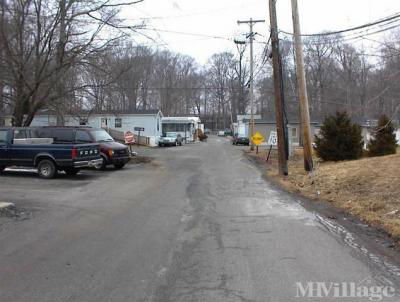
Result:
[[119, 166], [71, 171], [103, 164], [47, 169]]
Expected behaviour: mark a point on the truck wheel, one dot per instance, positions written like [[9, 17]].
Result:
[[103, 164], [47, 169], [119, 166], [71, 171]]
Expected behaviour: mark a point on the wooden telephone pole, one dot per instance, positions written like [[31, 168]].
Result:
[[301, 84], [278, 90], [251, 22]]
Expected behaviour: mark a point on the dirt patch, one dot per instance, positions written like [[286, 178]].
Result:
[[140, 160], [15, 213], [145, 160], [367, 188]]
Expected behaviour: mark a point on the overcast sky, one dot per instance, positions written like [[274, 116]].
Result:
[[217, 18]]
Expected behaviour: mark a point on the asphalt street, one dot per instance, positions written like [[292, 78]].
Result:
[[198, 223]]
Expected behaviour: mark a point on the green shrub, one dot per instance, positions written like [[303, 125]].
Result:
[[339, 139], [384, 139]]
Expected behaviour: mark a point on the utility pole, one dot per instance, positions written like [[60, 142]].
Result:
[[251, 22], [205, 102], [278, 90], [301, 83]]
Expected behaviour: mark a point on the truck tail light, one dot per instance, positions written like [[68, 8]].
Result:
[[74, 153]]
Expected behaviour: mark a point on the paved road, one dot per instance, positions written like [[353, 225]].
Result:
[[197, 224]]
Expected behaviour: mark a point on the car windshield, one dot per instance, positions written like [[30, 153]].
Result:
[[101, 136], [170, 135]]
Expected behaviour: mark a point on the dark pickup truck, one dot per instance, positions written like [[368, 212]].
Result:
[[112, 153], [41, 153]]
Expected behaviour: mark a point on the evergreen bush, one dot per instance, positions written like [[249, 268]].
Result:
[[384, 139], [339, 139]]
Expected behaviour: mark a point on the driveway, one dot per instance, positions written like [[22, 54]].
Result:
[[198, 223]]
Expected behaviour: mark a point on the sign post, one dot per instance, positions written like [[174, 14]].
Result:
[[138, 129], [273, 138], [129, 140], [257, 138], [272, 141]]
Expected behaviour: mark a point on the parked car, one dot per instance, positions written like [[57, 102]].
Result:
[[240, 140], [207, 131], [228, 132], [111, 152], [43, 154], [221, 133], [170, 139]]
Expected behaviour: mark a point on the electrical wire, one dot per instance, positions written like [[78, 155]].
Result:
[[353, 37], [265, 57], [185, 15], [386, 19], [187, 33]]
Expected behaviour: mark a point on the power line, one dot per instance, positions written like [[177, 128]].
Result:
[[389, 18], [352, 37], [264, 58], [185, 15], [188, 33]]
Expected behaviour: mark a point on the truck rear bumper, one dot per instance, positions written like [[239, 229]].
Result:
[[88, 163]]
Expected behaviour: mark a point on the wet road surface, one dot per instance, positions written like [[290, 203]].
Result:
[[199, 223]]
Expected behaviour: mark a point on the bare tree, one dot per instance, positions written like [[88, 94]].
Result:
[[221, 71], [44, 41]]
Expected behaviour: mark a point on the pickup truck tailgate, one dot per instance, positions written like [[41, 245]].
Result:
[[87, 151]]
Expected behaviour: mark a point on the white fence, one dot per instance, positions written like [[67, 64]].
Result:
[[120, 136]]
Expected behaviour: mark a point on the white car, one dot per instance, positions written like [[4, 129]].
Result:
[[170, 139], [221, 133]]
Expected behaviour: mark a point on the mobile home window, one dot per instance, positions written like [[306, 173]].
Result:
[[118, 123]]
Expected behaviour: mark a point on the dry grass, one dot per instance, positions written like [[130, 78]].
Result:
[[368, 188]]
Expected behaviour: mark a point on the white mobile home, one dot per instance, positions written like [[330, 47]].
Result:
[[122, 121], [186, 126], [241, 127]]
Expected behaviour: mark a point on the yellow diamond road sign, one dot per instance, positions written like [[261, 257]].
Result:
[[257, 138]]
